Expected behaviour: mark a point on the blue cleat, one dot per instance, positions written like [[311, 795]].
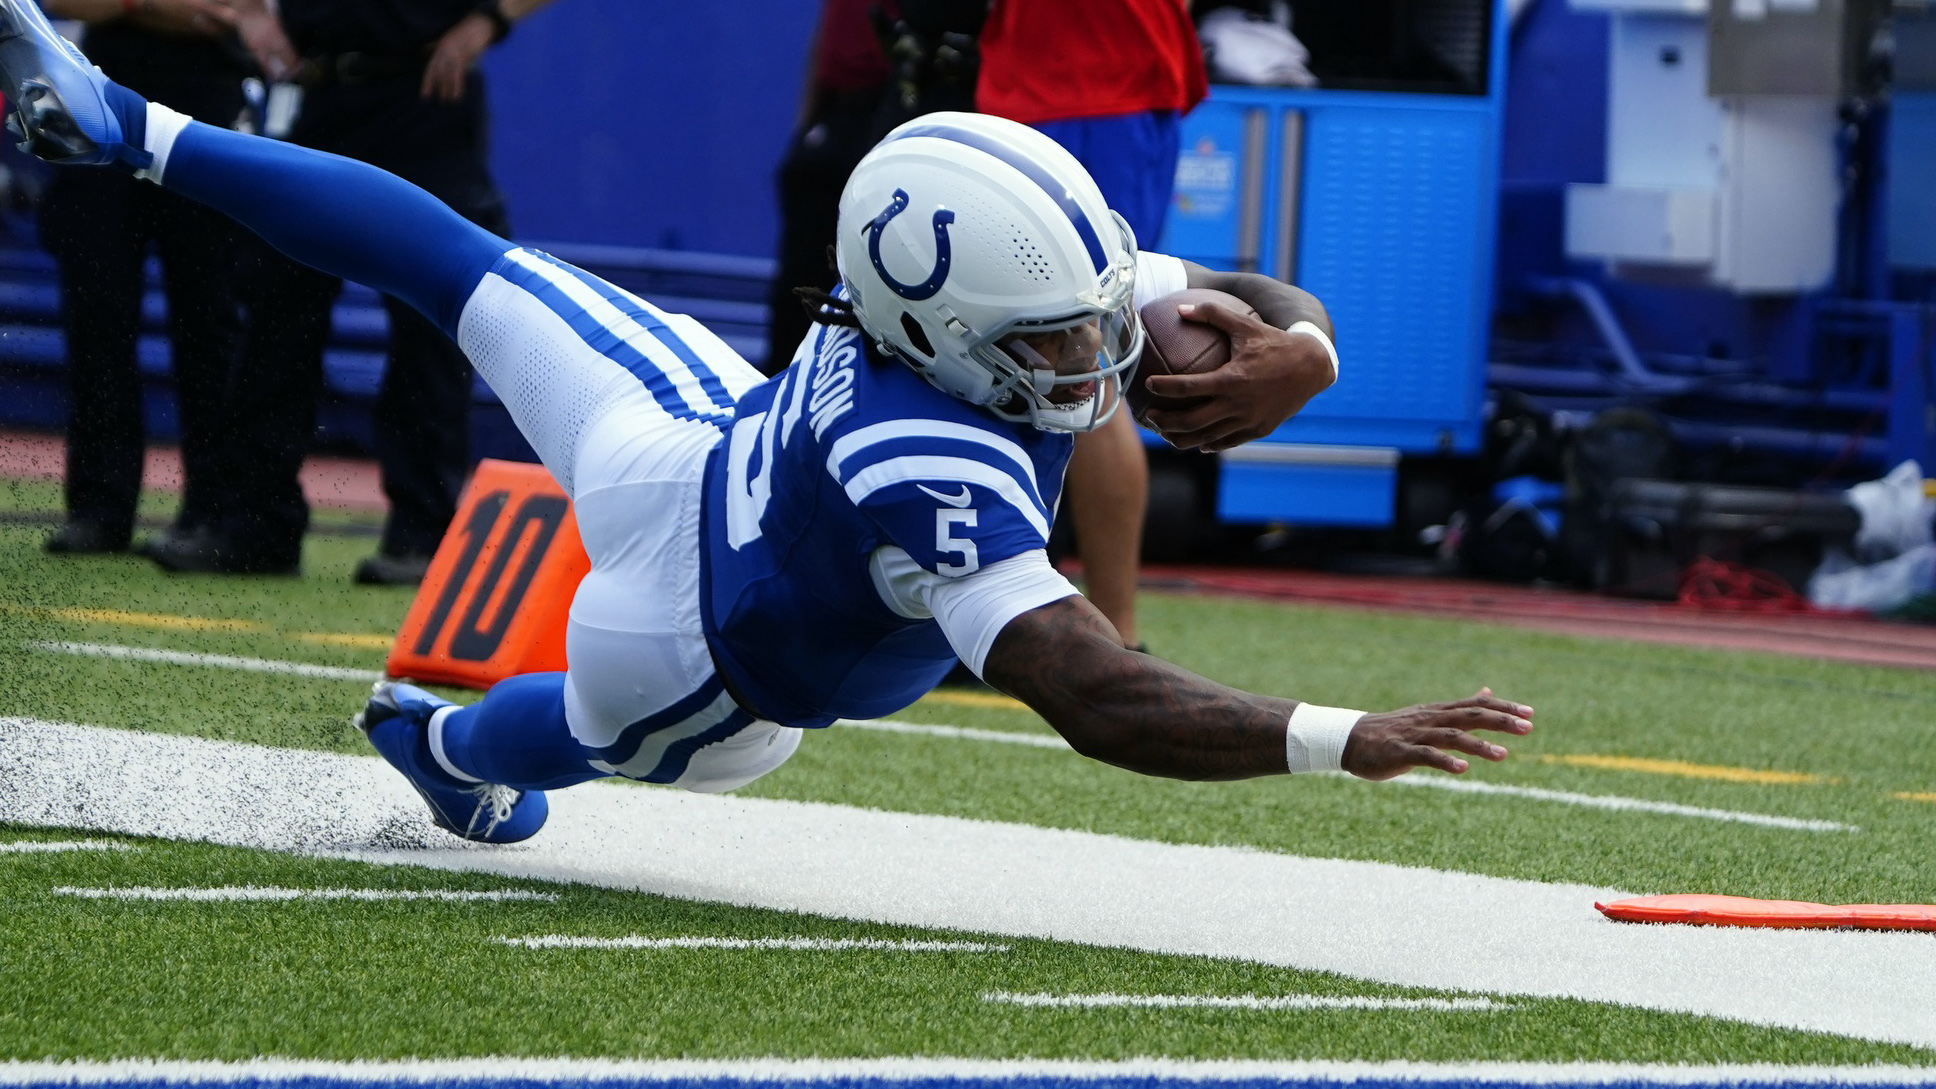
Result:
[[62, 109], [397, 722]]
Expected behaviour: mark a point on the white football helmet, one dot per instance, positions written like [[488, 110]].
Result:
[[961, 234]]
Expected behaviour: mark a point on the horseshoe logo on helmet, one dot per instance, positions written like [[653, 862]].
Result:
[[943, 251]]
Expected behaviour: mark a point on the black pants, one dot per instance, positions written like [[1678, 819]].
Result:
[[421, 419], [99, 226], [843, 128], [809, 182], [422, 416]]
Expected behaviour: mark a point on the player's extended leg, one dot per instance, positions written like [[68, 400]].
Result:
[[517, 735], [535, 315], [614, 398], [579, 363], [343, 217], [483, 769]]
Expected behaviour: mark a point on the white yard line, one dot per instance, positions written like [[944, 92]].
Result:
[[1238, 1002], [1606, 801], [811, 945], [1000, 737], [223, 661], [1417, 779], [56, 846], [247, 893], [810, 1071], [959, 733], [1364, 920]]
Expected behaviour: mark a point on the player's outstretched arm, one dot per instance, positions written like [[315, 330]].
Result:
[[1272, 373], [1147, 715]]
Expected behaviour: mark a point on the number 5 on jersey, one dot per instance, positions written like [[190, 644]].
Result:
[[946, 521]]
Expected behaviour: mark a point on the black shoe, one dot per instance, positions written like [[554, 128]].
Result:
[[384, 569], [153, 543], [86, 538], [209, 553]]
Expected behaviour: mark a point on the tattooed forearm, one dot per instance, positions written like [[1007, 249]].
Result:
[[1130, 709]]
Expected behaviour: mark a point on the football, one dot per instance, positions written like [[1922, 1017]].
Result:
[[1176, 346]]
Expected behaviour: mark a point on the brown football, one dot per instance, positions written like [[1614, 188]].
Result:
[[1177, 346]]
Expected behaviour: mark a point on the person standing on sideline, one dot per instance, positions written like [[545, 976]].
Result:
[[1110, 81], [873, 65], [99, 228], [840, 108], [393, 83]]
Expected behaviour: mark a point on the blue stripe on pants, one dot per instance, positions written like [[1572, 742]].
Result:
[[606, 341]]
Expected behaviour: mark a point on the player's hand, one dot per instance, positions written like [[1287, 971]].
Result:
[[262, 35], [1431, 735], [451, 58], [190, 18], [1271, 376]]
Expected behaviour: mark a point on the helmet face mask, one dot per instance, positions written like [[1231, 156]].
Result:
[[1080, 387], [967, 244]]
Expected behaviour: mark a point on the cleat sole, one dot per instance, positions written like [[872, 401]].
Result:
[[56, 138], [35, 63]]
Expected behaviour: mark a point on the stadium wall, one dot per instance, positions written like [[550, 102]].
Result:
[[648, 124]]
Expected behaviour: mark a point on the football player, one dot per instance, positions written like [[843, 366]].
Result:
[[769, 556]]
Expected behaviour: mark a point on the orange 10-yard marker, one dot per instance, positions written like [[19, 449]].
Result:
[[495, 600], [1705, 910]]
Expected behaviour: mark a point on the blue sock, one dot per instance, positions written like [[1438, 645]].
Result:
[[516, 735], [131, 110], [343, 217]]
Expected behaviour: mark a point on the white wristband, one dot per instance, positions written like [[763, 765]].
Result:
[[1309, 329], [1314, 740]]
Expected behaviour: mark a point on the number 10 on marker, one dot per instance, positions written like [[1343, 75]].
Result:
[[496, 598]]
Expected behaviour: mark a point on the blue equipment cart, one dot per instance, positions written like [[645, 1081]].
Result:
[[1383, 204]]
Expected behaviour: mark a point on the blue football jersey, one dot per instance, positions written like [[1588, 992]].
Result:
[[844, 453]]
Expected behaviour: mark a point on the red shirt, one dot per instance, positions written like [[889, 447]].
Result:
[[846, 54], [1049, 60]]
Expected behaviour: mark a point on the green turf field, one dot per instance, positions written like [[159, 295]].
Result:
[[1717, 731], [81, 979]]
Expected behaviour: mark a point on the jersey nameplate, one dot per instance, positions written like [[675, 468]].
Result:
[[825, 393], [833, 387]]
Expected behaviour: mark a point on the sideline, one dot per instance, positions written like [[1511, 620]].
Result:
[[220, 661], [1364, 920]]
